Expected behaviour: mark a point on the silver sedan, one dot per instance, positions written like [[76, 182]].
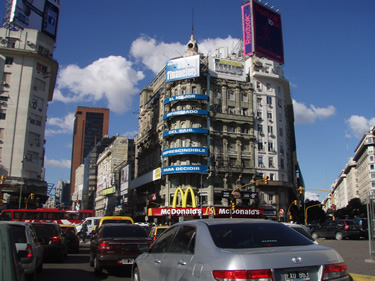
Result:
[[237, 249]]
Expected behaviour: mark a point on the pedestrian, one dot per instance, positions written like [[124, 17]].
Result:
[[84, 231]]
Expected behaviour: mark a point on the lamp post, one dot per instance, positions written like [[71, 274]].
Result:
[[20, 197]]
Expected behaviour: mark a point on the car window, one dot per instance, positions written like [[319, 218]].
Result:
[[239, 236], [122, 231], [160, 231], [46, 230], [184, 241], [161, 245], [19, 233], [116, 221]]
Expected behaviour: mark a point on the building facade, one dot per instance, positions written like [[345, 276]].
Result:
[[90, 126], [229, 126], [28, 75]]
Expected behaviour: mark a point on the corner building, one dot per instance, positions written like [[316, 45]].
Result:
[[229, 126]]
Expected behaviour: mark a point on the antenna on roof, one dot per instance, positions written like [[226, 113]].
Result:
[[192, 21]]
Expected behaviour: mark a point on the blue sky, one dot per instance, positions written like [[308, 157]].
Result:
[[110, 50]]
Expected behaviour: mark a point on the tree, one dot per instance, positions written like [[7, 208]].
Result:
[[314, 214], [354, 209]]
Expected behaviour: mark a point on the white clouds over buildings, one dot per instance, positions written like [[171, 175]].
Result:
[[308, 115]]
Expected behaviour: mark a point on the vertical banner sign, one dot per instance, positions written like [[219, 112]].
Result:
[[247, 32]]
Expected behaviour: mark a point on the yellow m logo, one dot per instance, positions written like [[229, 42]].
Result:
[[184, 196], [210, 211]]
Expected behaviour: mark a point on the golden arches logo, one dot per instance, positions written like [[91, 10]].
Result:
[[210, 211], [184, 196]]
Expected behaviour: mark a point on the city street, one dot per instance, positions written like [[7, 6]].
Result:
[[76, 266]]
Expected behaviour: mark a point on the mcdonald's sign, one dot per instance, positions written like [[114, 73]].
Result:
[[210, 211], [184, 196]]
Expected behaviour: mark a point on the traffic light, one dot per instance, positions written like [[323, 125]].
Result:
[[233, 205], [265, 180], [2, 179], [295, 202], [300, 190], [32, 196]]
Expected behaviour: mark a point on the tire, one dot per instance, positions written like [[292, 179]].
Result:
[[91, 261], [40, 268], [136, 276], [97, 269], [315, 235], [339, 236]]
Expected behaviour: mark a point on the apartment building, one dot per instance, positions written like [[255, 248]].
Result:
[[28, 75]]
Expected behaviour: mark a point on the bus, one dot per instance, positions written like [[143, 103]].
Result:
[[46, 215]]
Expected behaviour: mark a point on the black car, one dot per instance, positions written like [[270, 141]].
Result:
[[363, 224], [52, 239], [338, 229]]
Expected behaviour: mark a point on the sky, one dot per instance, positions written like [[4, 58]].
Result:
[[109, 50]]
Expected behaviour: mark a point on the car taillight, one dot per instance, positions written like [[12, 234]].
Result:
[[346, 226], [29, 250], [104, 246], [253, 275], [333, 271], [55, 240]]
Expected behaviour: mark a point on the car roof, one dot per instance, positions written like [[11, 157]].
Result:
[[67, 225], [16, 222], [226, 221]]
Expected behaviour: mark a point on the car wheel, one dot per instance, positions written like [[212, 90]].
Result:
[[339, 236], [97, 268], [40, 268], [136, 276], [91, 261], [315, 235]]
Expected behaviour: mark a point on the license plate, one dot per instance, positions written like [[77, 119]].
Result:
[[127, 261], [297, 276]]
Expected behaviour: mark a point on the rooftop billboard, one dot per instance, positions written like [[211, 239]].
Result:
[[41, 15], [182, 68], [262, 31]]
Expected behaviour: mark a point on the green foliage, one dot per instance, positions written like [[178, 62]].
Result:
[[354, 209]]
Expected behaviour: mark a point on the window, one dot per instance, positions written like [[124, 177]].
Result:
[[231, 129], [9, 60], [260, 145], [217, 94], [41, 68], [231, 95], [2, 115], [260, 128], [194, 90], [372, 166], [245, 130], [281, 132], [269, 100], [161, 245], [39, 85], [270, 147], [244, 97], [268, 87], [269, 115], [231, 110], [184, 241], [260, 161], [282, 163], [259, 101], [270, 130], [244, 111], [270, 162], [281, 149]]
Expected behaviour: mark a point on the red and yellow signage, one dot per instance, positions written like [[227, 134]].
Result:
[[206, 211]]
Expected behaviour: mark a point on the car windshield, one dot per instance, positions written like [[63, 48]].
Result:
[[123, 231], [45, 230], [19, 235], [255, 235], [116, 221]]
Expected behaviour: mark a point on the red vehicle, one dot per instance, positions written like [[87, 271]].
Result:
[[47, 215]]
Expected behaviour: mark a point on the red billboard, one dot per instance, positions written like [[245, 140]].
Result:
[[262, 31]]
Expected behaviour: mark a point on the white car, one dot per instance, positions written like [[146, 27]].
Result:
[[28, 247], [91, 223]]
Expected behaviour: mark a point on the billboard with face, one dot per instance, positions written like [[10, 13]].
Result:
[[262, 31], [41, 15]]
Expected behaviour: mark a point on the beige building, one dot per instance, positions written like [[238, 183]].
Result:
[[27, 76]]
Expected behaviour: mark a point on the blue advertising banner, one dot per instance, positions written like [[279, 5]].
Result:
[[247, 29], [185, 131], [182, 68], [185, 150], [184, 169], [185, 112], [186, 97]]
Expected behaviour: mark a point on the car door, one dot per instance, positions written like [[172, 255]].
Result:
[[151, 261], [180, 252]]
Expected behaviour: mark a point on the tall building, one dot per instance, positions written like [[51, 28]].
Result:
[[222, 130], [90, 126], [28, 75]]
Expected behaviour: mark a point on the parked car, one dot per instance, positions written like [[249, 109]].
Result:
[[10, 265], [117, 245], [71, 237], [304, 230], [363, 224], [52, 239], [236, 249], [156, 231], [338, 229], [26, 240]]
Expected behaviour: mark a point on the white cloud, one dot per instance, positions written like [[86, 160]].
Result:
[[64, 125], [308, 115], [359, 125], [130, 135], [57, 163], [154, 54], [312, 196], [112, 78]]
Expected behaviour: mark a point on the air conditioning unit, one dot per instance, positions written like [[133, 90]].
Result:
[[4, 83]]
